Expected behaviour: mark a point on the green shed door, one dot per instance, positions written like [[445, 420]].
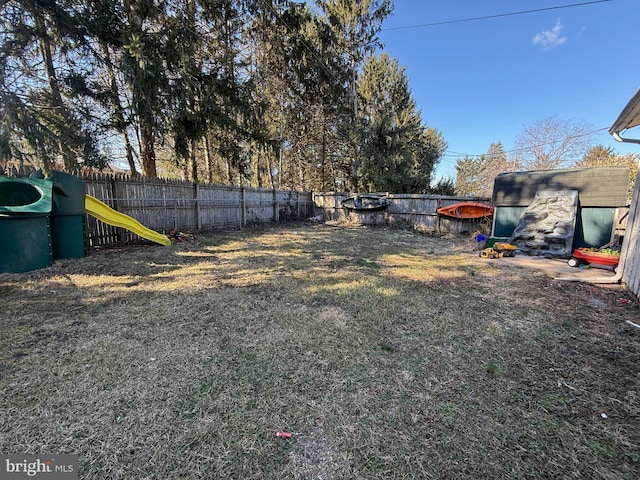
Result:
[[594, 226], [506, 220]]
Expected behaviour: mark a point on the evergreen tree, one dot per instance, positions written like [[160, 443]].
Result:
[[101, 81], [493, 163], [444, 186], [468, 174], [41, 47], [355, 25], [476, 176], [266, 92], [399, 152], [299, 76], [601, 156]]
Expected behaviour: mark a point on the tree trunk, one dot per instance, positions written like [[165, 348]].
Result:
[[193, 161], [355, 161], [46, 49], [118, 110], [207, 158], [147, 151], [229, 176], [142, 102]]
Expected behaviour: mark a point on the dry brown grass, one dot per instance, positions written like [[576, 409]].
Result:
[[387, 353]]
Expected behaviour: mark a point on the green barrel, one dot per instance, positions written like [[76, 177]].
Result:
[[67, 216], [25, 237]]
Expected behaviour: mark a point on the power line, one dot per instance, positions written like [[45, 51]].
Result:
[[499, 15], [516, 150]]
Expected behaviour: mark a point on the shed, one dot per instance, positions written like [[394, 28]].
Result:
[[601, 192]]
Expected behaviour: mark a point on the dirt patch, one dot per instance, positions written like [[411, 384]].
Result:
[[315, 456]]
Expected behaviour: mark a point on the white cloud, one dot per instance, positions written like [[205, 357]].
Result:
[[548, 39]]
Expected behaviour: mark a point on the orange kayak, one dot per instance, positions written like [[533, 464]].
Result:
[[467, 210]]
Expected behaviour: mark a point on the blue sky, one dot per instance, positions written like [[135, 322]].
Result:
[[481, 82]]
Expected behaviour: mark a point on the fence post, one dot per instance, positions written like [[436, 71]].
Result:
[[197, 199], [115, 194], [243, 205], [167, 199], [276, 210], [165, 220]]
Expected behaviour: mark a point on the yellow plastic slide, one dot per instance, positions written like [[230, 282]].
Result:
[[106, 214]]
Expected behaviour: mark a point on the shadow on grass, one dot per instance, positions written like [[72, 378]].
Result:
[[387, 354]]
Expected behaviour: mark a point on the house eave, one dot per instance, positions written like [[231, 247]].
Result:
[[628, 118]]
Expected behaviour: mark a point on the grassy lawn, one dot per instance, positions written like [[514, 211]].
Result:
[[386, 353]]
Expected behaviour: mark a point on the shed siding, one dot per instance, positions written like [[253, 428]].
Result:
[[594, 227], [597, 187], [506, 220]]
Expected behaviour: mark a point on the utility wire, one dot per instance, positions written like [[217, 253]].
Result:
[[516, 150], [499, 15]]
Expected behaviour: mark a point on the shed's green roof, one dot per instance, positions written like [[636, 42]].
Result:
[[597, 187]]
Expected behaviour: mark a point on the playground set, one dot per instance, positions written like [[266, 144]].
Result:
[[42, 220]]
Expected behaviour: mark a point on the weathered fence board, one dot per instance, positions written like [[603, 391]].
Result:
[[630, 255], [163, 205], [417, 210]]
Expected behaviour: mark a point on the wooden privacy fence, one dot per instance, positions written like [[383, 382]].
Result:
[[417, 210], [163, 205]]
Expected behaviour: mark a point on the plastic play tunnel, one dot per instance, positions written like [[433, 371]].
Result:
[[25, 235]]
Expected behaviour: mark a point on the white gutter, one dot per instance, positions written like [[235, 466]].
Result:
[[617, 136]]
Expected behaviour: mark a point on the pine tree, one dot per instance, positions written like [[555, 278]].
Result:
[[476, 175], [355, 25], [601, 156], [399, 152], [38, 55]]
